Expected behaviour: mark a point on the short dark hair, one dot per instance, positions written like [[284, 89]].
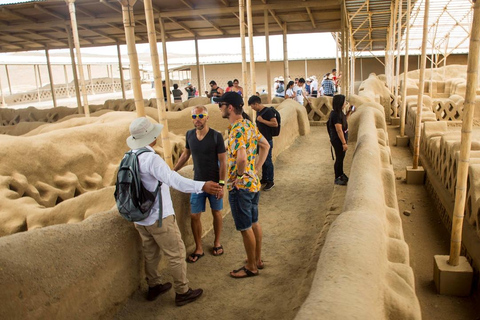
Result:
[[175, 86], [301, 80], [254, 100], [334, 70], [212, 82]]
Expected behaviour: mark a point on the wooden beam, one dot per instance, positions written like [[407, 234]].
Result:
[[309, 11], [18, 15]]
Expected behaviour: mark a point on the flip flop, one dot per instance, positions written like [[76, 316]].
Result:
[[247, 274], [259, 266], [216, 249], [193, 256]]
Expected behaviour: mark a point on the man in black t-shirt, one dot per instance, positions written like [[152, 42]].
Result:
[[209, 164], [265, 122]]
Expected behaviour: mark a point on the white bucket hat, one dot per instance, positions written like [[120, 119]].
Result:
[[280, 78], [143, 132]]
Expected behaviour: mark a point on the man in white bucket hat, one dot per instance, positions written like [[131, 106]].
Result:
[[167, 237]]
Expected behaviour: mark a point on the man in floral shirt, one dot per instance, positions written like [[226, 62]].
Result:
[[243, 183]]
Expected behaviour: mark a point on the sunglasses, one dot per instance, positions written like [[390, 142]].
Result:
[[200, 116]]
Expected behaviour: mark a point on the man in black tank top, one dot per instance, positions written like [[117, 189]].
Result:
[[207, 148], [215, 91]]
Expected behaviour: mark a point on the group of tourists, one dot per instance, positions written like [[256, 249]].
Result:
[[302, 88], [249, 146]]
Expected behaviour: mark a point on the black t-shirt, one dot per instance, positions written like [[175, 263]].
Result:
[[265, 130], [205, 154], [334, 119]]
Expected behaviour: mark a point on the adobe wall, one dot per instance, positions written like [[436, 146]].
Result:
[[60, 235], [364, 270]]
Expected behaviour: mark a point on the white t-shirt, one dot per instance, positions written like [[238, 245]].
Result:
[[289, 93], [298, 90], [314, 85]]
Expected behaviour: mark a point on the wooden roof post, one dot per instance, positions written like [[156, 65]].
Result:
[[8, 79], [418, 120], [285, 55], [197, 57], [253, 81], [76, 41], [4, 105], [165, 63], [157, 76], [50, 76], [66, 80], [241, 14], [403, 109], [267, 54], [36, 81], [74, 71], [397, 74], [129, 25], [466, 140], [89, 71], [120, 67]]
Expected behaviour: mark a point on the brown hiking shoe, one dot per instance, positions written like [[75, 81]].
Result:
[[154, 292], [187, 297]]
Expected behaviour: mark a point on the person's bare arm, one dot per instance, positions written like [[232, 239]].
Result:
[[219, 92], [339, 129], [264, 146], [183, 159], [271, 123], [222, 158]]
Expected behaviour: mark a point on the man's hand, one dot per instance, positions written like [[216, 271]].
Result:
[[212, 187], [345, 147], [259, 119], [220, 194]]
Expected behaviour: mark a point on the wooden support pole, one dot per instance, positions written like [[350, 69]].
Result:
[[253, 81], [165, 63], [76, 41], [197, 57], [337, 64], [397, 73], [403, 110], [89, 72], [8, 79], [50, 77], [466, 140], [418, 121], [267, 54], [36, 81], [129, 25], [157, 77], [241, 15], [285, 55], [120, 68], [343, 52], [39, 76], [74, 71], [4, 105], [113, 79], [67, 88]]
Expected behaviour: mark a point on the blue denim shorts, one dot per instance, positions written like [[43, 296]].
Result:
[[244, 206], [198, 201]]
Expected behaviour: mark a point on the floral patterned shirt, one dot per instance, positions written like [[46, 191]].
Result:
[[243, 134]]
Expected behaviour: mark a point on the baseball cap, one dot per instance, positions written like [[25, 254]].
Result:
[[232, 98]]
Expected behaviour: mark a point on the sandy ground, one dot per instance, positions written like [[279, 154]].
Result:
[[426, 236], [292, 215]]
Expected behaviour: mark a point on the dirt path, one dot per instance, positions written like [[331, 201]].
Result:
[[426, 236], [292, 215]]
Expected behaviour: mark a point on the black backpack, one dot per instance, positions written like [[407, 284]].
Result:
[[276, 130], [133, 200]]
